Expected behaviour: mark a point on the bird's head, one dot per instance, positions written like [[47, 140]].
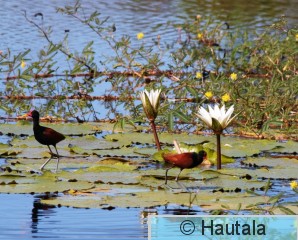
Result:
[[33, 114], [202, 154]]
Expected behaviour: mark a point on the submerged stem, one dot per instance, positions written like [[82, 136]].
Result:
[[218, 151], [155, 135]]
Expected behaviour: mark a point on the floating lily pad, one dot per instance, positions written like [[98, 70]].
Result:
[[26, 127], [43, 183], [263, 173], [113, 172], [158, 198], [272, 162], [285, 147], [239, 147], [147, 138], [211, 180]]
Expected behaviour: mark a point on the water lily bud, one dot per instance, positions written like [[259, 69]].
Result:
[[150, 101]]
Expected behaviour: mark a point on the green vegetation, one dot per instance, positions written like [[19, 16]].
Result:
[[255, 71], [116, 171]]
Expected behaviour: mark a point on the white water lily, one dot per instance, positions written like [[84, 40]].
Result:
[[218, 118], [150, 101]]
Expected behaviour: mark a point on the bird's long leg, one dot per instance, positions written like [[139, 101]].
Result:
[[166, 177], [177, 178], [179, 183], [46, 162], [57, 158]]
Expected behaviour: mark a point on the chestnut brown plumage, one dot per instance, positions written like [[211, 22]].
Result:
[[184, 160], [46, 136]]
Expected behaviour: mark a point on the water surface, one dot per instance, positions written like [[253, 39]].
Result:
[[22, 217]]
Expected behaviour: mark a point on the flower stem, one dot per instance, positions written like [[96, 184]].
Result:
[[155, 134], [218, 151]]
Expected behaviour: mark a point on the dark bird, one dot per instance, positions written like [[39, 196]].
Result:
[[184, 160], [46, 136]]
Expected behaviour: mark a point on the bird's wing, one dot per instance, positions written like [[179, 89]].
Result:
[[182, 160], [52, 136]]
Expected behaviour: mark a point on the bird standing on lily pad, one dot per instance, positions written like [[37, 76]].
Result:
[[183, 160], [150, 101], [217, 119], [46, 136]]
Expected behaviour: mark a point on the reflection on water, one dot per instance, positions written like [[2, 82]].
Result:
[[23, 217]]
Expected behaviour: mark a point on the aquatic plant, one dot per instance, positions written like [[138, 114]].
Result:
[[217, 119], [254, 69], [150, 101]]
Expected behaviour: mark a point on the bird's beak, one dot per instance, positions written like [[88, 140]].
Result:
[[28, 114]]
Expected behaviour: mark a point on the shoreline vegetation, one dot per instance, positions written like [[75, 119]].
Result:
[[207, 63]]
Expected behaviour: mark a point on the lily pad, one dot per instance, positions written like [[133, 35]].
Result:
[[26, 127], [240, 147], [157, 198], [286, 147], [272, 162], [43, 183], [147, 138]]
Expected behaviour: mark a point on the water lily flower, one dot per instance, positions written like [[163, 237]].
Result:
[[233, 76], [208, 94], [293, 184], [226, 97], [150, 101], [140, 35], [217, 119]]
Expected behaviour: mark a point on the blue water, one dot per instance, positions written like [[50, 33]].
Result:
[[23, 218]]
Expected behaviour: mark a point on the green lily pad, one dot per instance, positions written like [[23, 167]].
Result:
[[272, 162], [147, 138], [207, 179], [26, 127], [239, 147], [263, 173], [44, 183], [286, 147], [157, 198]]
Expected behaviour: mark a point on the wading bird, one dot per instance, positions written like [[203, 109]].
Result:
[[184, 160], [46, 136]]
